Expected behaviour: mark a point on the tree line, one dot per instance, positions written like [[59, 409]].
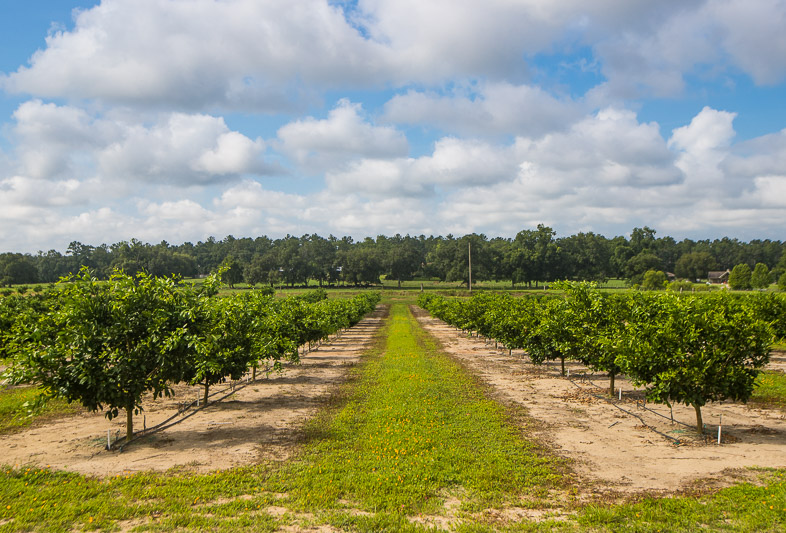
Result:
[[532, 256]]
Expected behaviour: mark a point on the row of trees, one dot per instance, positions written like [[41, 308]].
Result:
[[532, 256], [107, 343], [685, 349]]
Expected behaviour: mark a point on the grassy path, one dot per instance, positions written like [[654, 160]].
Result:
[[414, 433], [410, 443]]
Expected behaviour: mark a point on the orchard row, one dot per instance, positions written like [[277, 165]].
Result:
[[108, 343], [687, 349]]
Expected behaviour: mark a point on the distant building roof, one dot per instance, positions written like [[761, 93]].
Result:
[[718, 276]]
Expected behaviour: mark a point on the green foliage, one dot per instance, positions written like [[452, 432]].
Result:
[[694, 350], [760, 278], [654, 280], [638, 265], [782, 282], [231, 272], [105, 343], [688, 349], [694, 265], [680, 286], [313, 296], [740, 277]]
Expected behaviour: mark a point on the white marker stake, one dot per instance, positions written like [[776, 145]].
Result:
[[620, 393], [108, 440], [720, 425]]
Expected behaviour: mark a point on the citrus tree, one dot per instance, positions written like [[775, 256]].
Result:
[[107, 343], [694, 350]]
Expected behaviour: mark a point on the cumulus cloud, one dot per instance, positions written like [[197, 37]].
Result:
[[56, 142], [265, 56], [52, 141], [453, 163], [196, 54], [706, 38], [343, 136], [496, 109], [610, 148], [182, 149]]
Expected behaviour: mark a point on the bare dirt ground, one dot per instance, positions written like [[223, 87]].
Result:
[[622, 445], [260, 421]]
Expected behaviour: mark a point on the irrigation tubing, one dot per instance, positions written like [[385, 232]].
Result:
[[184, 411], [638, 417]]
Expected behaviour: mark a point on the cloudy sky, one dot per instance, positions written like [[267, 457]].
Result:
[[181, 119]]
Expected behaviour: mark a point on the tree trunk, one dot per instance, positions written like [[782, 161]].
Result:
[[399, 283], [611, 383], [699, 422], [207, 391], [254, 373], [562, 364], [129, 422]]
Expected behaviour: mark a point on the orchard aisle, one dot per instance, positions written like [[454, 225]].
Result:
[[262, 420], [616, 450]]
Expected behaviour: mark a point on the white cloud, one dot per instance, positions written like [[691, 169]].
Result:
[[453, 163], [610, 148], [181, 149], [320, 145], [376, 178], [752, 34], [702, 146], [197, 53], [56, 142], [253, 55], [497, 109]]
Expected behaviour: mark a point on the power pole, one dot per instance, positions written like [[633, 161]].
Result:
[[470, 267]]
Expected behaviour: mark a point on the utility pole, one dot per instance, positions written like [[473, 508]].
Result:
[[470, 267]]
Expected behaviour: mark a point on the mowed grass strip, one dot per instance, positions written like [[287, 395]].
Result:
[[414, 430]]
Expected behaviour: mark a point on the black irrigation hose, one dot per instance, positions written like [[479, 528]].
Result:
[[585, 377], [180, 413], [185, 407], [610, 402]]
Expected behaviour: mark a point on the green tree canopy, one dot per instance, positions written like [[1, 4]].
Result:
[[760, 278], [740, 277]]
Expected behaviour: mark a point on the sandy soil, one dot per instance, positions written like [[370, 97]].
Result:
[[259, 421], [623, 445]]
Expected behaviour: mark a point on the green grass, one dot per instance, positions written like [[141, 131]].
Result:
[[14, 412], [770, 391], [745, 507], [414, 430]]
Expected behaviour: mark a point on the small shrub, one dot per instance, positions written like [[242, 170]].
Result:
[[680, 286], [654, 280]]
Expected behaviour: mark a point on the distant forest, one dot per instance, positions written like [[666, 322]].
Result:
[[532, 256]]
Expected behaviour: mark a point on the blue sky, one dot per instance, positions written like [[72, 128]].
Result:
[[171, 120]]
